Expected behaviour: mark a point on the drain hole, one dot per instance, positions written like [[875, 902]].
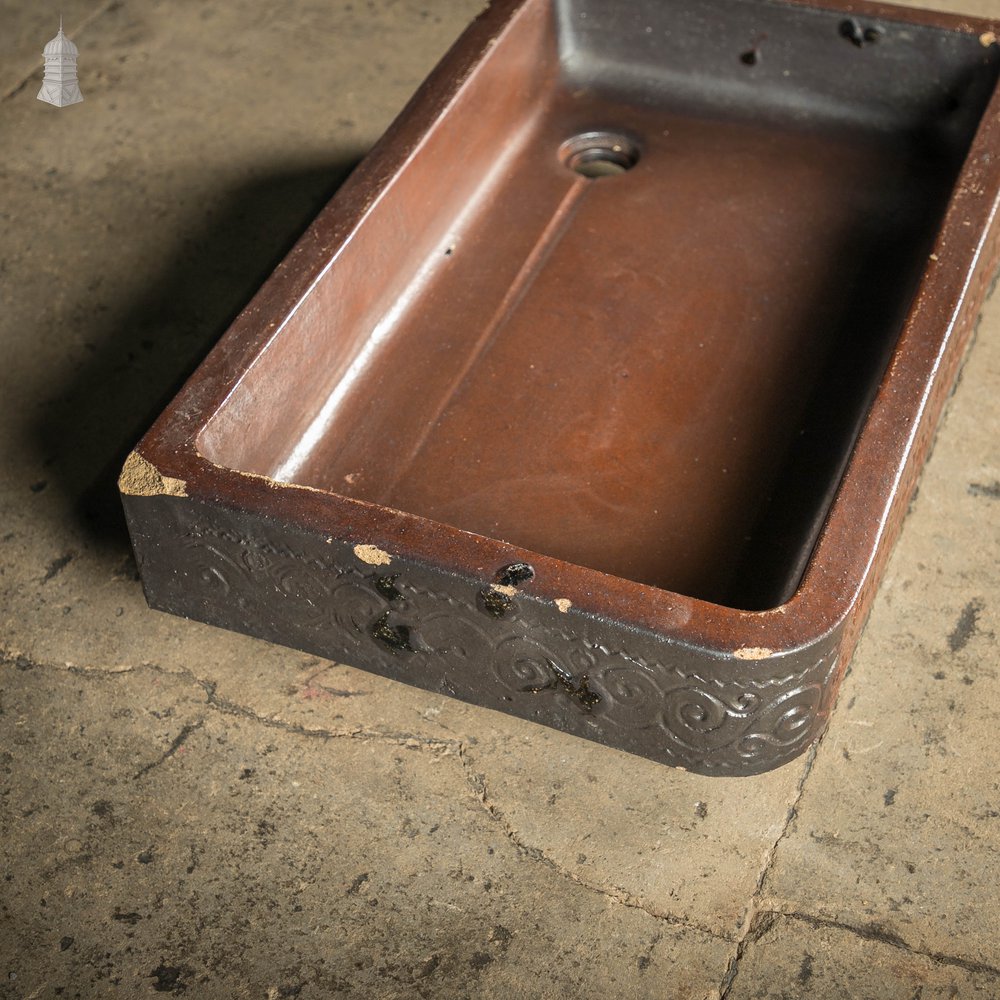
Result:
[[599, 154]]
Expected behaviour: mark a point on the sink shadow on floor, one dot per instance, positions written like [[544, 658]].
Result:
[[141, 356]]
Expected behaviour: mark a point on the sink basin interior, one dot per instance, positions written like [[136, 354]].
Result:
[[629, 300]]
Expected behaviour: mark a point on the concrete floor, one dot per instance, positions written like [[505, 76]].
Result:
[[183, 810]]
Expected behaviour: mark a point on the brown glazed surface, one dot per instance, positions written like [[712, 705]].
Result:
[[692, 392]]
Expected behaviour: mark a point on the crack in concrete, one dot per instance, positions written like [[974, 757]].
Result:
[[753, 914], [477, 781], [175, 745], [764, 921], [875, 932], [227, 707], [757, 921], [409, 740]]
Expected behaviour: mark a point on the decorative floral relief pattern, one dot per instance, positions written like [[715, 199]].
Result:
[[655, 698]]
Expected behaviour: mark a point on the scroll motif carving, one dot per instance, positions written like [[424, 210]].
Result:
[[739, 720]]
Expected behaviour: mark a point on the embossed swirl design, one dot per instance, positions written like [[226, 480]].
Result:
[[720, 724]]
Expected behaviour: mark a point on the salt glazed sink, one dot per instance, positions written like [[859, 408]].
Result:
[[598, 392]]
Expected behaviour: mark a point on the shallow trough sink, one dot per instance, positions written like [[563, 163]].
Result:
[[597, 393]]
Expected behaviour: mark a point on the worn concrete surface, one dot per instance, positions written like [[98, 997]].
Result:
[[187, 811]]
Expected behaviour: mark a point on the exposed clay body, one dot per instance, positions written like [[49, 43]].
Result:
[[140, 478]]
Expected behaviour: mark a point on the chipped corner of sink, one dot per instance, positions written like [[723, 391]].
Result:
[[140, 478]]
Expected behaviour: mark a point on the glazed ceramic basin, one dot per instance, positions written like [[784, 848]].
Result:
[[598, 392]]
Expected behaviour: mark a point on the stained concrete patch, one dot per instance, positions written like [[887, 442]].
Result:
[[966, 626]]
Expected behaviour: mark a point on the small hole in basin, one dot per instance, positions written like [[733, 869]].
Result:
[[599, 154]]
